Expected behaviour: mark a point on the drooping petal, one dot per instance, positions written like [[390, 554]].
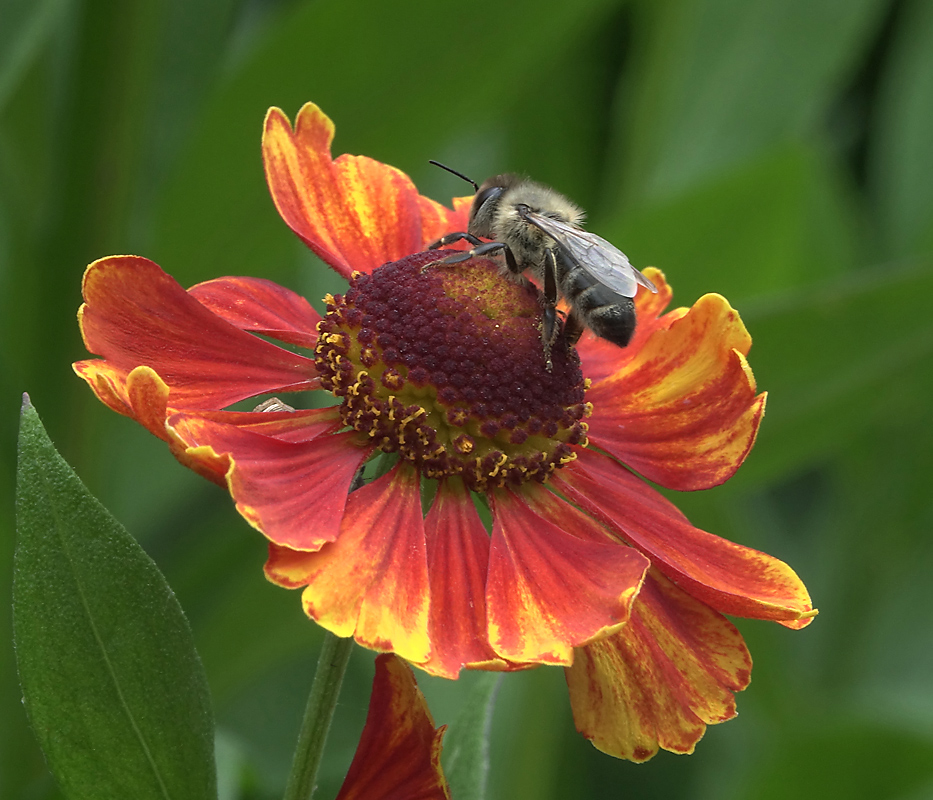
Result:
[[600, 357], [141, 395], [261, 306], [550, 589], [661, 679], [399, 754], [372, 582], [294, 492], [458, 557], [353, 212], [683, 410], [135, 314], [729, 577]]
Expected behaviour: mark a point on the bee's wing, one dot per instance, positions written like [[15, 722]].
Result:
[[601, 259]]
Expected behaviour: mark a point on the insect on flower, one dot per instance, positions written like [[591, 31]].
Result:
[[437, 372], [534, 227]]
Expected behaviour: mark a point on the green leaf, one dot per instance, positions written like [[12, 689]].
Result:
[[783, 219], [112, 684], [845, 758], [721, 80], [27, 26], [466, 746], [902, 161], [833, 358]]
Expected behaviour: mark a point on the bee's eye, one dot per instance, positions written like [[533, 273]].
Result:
[[480, 200]]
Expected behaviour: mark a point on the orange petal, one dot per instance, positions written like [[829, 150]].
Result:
[[660, 680], [261, 306], [550, 590], [294, 492], [354, 213], [143, 396], [458, 557], [372, 582], [729, 577], [399, 754], [683, 410], [135, 314]]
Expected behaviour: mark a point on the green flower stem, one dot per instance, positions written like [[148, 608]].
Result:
[[331, 667]]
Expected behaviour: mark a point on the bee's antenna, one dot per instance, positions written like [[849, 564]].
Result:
[[458, 174]]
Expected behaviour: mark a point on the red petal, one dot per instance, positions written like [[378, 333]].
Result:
[[729, 577], [660, 680], [458, 556], [261, 306], [355, 213], [300, 425], [551, 589], [399, 754], [136, 315], [682, 411], [438, 220], [372, 582], [294, 492]]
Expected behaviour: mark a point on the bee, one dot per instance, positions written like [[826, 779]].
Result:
[[536, 228]]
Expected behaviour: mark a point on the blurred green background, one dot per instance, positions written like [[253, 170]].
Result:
[[777, 151]]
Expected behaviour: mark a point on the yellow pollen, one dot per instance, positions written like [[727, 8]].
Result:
[[463, 444], [412, 417]]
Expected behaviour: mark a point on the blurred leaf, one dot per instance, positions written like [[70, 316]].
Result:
[[844, 760], [784, 219], [722, 80], [466, 745], [879, 639], [831, 359], [534, 719], [188, 56], [231, 767], [229, 600], [113, 686], [902, 160], [558, 126], [27, 26]]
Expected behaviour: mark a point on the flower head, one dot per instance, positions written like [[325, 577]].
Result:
[[505, 526]]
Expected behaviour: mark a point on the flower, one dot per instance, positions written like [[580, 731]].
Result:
[[399, 754], [440, 368]]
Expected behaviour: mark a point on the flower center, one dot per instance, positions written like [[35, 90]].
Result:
[[444, 365]]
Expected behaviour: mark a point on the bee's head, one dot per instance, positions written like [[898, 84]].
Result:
[[486, 204]]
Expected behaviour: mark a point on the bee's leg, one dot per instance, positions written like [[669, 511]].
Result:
[[573, 328], [549, 317], [450, 238], [548, 323], [485, 249]]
